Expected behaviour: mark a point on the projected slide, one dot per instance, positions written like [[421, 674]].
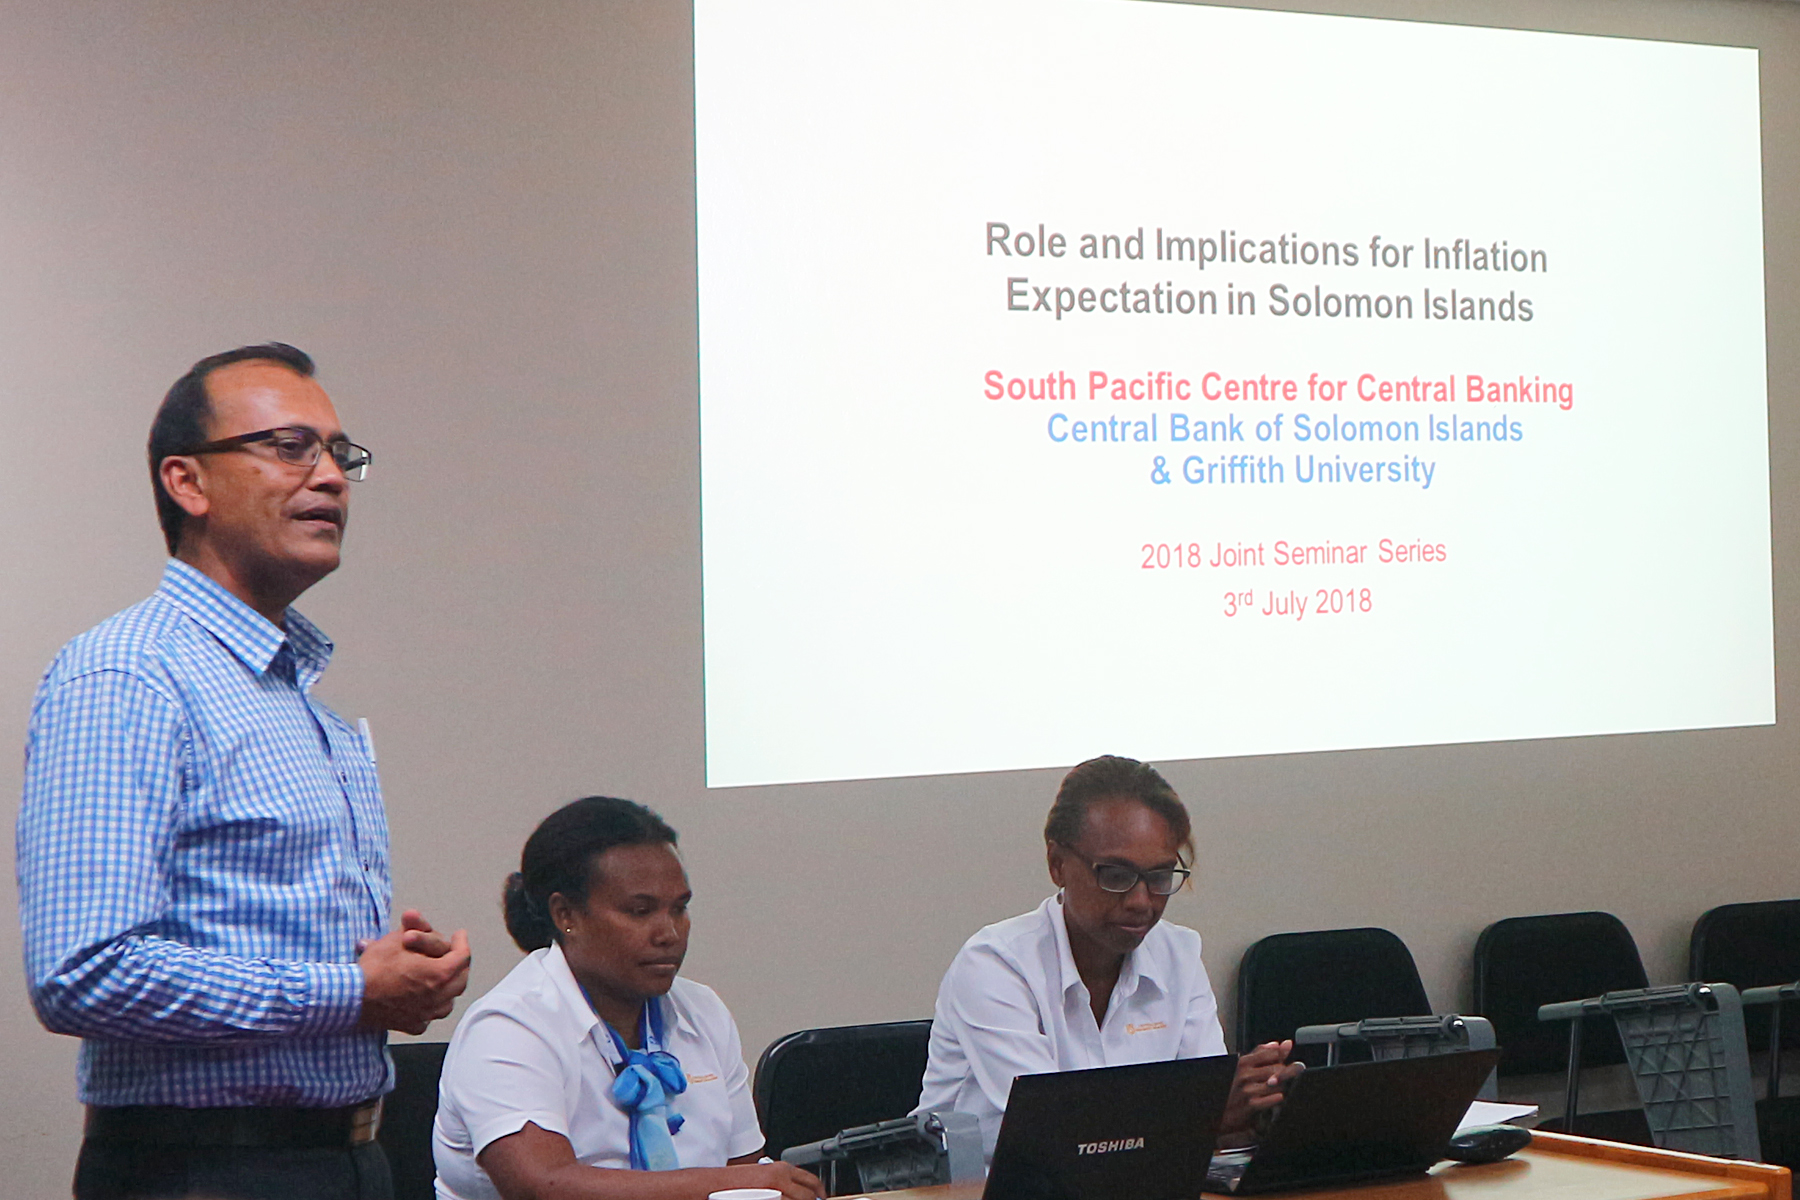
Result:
[[1108, 376]]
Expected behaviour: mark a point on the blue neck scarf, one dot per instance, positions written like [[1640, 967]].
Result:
[[645, 1081]]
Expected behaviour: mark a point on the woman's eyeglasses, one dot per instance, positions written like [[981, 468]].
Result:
[[1119, 879]]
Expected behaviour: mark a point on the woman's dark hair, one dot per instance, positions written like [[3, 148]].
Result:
[[559, 857], [1110, 776], [182, 418]]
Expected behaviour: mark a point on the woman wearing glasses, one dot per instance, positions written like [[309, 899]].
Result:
[[1092, 977]]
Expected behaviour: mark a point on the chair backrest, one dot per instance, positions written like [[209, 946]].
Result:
[[1325, 977], [1522, 963], [818, 1082], [407, 1115], [1750, 946], [1685, 1046]]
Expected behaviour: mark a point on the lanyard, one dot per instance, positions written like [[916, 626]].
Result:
[[650, 1033]]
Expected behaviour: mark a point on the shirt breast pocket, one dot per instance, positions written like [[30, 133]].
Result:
[[259, 811]]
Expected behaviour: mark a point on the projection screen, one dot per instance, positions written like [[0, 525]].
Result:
[[1082, 374]]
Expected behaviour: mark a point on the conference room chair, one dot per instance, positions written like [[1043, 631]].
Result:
[[406, 1117], [1523, 963], [1777, 1116], [1324, 977], [1686, 1050], [818, 1082], [1405, 1037], [1756, 948]]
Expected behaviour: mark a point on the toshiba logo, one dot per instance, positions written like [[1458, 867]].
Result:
[[1111, 1147]]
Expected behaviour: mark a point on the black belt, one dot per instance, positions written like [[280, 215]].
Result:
[[293, 1128]]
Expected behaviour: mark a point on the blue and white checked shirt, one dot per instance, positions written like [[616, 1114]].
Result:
[[201, 846]]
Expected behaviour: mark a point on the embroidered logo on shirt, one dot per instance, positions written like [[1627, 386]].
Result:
[[701, 1078], [1146, 1027], [1116, 1144]]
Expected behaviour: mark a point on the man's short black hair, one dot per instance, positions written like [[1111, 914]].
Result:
[[182, 418]]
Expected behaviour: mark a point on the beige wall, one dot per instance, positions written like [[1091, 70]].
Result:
[[479, 216]]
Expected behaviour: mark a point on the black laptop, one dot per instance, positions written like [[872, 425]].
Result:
[[1358, 1122], [1144, 1131]]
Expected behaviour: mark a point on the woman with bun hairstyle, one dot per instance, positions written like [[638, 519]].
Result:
[[1093, 977], [593, 1070]]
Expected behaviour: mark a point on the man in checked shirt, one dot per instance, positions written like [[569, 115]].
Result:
[[202, 853]]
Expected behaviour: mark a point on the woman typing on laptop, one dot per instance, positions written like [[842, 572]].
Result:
[[1092, 977]]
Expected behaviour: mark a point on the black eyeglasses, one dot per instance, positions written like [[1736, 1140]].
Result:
[[1119, 878], [300, 447]]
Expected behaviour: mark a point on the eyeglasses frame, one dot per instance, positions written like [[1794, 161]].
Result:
[[1180, 873], [354, 471]]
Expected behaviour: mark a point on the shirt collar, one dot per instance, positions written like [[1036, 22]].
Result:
[[1065, 958], [1139, 966], [584, 1022], [241, 629]]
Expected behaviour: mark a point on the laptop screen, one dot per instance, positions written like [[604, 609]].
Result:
[[1366, 1120], [1145, 1130]]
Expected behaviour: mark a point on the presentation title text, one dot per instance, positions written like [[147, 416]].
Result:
[[1372, 278]]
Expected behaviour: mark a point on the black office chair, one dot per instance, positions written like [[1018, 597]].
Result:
[[818, 1082], [1758, 946], [1523, 963], [407, 1115], [1326, 977]]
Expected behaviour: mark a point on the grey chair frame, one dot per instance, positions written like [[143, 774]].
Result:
[[1689, 1058], [1776, 995], [1406, 1037]]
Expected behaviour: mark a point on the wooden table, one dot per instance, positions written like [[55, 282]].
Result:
[[1555, 1166]]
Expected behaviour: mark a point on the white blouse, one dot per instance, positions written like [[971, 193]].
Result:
[[1012, 1003], [533, 1050]]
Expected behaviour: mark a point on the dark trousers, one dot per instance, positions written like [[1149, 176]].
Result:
[[118, 1170]]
